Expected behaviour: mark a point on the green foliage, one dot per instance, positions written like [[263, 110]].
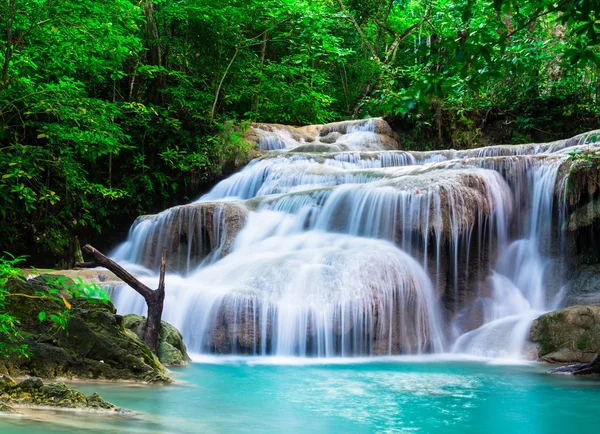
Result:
[[11, 342], [113, 109], [58, 289]]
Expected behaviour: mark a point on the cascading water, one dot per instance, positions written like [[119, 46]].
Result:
[[517, 281], [352, 248]]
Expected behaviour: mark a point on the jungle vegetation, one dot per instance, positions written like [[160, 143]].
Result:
[[115, 108]]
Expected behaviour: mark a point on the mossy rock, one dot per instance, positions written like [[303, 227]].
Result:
[[171, 349], [317, 147], [6, 410], [33, 392], [570, 335], [95, 345]]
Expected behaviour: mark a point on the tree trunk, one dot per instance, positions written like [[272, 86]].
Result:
[[218, 91], [154, 55], [9, 42], [155, 308], [154, 298]]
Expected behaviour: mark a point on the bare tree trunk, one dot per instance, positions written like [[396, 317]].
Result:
[[365, 40], [154, 56], [263, 52], [9, 42], [155, 308], [154, 298], [218, 91]]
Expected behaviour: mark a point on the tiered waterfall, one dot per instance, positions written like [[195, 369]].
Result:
[[336, 243]]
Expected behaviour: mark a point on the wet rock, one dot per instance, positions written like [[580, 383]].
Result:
[[6, 410], [331, 137], [584, 215], [191, 233], [95, 344], [32, 392], [171, 349], [275, 136], [568, 335], [317, 148], [583, 285]]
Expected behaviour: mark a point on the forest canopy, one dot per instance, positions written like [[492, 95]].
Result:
[[111, 109]]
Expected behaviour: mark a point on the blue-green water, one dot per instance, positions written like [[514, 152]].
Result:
[[387, 396]]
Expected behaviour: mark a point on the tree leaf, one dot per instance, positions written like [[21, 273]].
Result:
[[67, 304]]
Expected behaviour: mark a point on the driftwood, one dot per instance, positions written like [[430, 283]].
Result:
[[154, 298], [580, 369]]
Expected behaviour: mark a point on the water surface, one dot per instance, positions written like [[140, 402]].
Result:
[[396, 395]]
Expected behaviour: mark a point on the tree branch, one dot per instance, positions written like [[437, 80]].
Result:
[[102, 261], [350, 18], [214, 106], [154, 298]]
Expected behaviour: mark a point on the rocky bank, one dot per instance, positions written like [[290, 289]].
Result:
[[569, 335], [94, 345], [32, 392], [171, 349]]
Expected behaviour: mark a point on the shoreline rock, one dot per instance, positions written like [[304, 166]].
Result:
[[171, 348], [95, 344], [33, 393], [569, 335]]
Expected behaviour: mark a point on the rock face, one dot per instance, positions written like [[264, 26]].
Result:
[[584, 215], [191, 233], [569, 335], [583, 286], [32, 392], [333, 137], [171, 349], [95, 344]]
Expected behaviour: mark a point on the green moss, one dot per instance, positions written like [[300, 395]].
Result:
[[547, 348], [33, 391], [556, 318], [94, 344], [582, 345]]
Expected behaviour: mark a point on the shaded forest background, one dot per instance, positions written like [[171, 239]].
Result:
[[115, 108]]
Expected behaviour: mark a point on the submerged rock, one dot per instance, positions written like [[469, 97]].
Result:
[[95, 345], [317, 147], [32, 392], [171, 349], [569, 335]]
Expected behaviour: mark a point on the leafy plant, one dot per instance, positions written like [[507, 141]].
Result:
[[58, 289], [113, 109]]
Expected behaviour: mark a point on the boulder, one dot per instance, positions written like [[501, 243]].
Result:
[[330, 138], [317, 147], [191, 233], [583, 216], [583, 286], [171, 349], [569, 335], [275, 136], [6, 410], [94, 345], [32, 392]]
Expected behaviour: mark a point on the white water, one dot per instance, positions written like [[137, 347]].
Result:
[[360, 253]]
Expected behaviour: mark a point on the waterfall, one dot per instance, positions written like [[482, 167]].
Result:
[[336, 243], [517, 283]]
